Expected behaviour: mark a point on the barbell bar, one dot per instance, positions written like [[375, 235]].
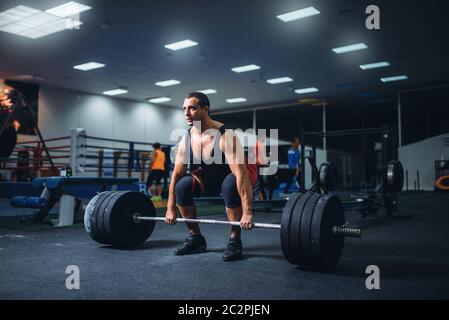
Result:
[[343, 231], [137, 217]]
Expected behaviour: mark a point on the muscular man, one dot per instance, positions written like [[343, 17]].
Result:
[[259, 156], [221, 170]]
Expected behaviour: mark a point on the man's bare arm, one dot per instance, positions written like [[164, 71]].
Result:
[[178, 171], [235, 157]]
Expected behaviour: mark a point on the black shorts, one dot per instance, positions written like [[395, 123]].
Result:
[[155, 177], [187, 188]]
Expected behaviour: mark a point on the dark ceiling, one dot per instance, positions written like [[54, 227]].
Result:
[[129, 37]]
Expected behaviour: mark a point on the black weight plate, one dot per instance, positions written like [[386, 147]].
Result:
[[302, 205], [119, 222], [394, 176], [303, 230], [328, 176], [326, 247], [91, 217], [98, 214], [88, 213], [102, 214], [285, 225]]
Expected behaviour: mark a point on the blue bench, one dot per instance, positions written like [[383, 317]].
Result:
[[70, 192]]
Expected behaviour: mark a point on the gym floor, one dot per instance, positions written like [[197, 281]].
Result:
[[411, 251]]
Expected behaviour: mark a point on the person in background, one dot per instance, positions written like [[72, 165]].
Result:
[[294, 158], [157, 171]]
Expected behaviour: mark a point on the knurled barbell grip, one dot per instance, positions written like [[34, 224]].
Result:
[[347, 232]]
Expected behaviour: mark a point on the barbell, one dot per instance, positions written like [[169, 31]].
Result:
[[393, 176], [312, 228]]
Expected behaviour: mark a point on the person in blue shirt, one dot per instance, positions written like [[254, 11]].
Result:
[[294, 159]]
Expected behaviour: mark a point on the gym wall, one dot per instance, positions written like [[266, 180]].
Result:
[[60, 110], [420, 157]]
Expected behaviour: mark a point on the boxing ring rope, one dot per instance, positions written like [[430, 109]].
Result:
[[86, 155], [28, 159], [116, 156]]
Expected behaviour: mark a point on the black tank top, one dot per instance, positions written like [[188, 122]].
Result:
[[211, 173]]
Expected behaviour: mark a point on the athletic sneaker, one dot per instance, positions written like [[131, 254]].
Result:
[[193, 244], [233, 250]]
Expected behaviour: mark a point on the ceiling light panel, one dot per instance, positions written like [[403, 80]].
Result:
[[181, 45], [89, 66], [279, 80], [16, 14], [115, 92], [236, 100], [298, 14], [249, 67], [68, 9], [159, 100], [395, 78], [350, 48], [306, 90], [208, 91]]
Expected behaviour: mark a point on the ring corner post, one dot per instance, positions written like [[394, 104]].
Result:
[[77, 150]]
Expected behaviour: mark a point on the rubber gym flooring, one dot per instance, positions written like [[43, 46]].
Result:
[[411, 251]]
